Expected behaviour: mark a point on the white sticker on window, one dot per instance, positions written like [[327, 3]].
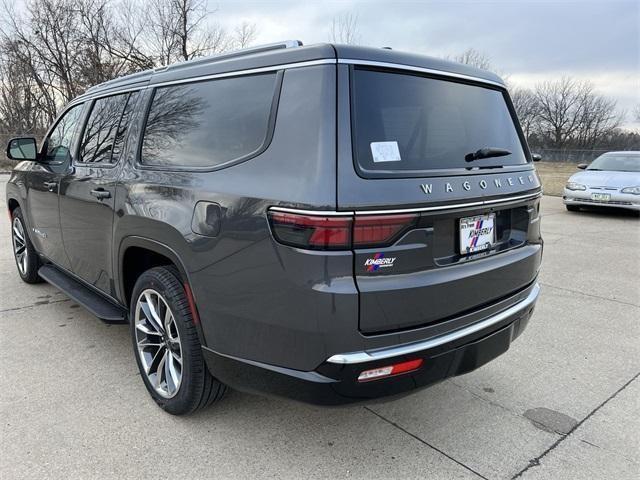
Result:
[[385, 152]]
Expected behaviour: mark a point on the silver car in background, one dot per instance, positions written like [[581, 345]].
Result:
[[611, 180]]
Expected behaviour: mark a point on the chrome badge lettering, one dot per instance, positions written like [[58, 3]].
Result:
[[40, 233], [468, 185], [427, 187]]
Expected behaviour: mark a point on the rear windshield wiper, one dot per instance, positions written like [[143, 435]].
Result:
[[486, 153]]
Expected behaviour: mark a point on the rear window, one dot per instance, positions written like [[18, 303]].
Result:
[[209, 123], [406, 124]]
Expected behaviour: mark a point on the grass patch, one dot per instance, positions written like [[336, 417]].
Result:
[[554, 176]]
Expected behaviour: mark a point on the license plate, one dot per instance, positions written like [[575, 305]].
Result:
[[477, 233], [601, 197]]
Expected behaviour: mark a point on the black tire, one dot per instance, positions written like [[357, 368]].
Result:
[[198, 388], [28, 269], [573, 208]]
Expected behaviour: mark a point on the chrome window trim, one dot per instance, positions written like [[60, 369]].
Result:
[[364, 356], [250, 71], [328, 213], [235, 73], [401, 66]]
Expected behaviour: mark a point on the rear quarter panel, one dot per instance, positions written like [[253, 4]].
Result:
[[256, 299]]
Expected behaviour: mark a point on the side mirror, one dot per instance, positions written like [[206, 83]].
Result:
[[22, 149], [536, 157], [582, 166]]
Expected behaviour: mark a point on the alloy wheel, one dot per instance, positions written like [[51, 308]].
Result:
[[20, 245], [158, 343]]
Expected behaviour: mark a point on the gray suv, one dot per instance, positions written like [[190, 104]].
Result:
[[327, 223]]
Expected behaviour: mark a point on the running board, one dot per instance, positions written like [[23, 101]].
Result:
[[76, 291]]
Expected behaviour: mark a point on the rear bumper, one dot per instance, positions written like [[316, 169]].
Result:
[[335, 381]]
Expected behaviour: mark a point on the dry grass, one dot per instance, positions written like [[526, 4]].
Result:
[[554, 175], [6, 165]]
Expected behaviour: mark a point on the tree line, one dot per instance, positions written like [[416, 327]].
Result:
[[53, 50], [559, 114], [564, 113]]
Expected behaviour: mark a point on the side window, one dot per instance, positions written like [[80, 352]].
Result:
[[125, 121], [209, 123], [100, 130], [61, 138]]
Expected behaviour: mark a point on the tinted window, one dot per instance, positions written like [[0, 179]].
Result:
[[616, 162], [210, 123], [408, 123], [100, 130], [125, 121], [61, 137]]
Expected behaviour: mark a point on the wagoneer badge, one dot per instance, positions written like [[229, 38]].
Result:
[[449, 187]]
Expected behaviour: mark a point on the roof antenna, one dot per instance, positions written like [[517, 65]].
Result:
[[387, 48]]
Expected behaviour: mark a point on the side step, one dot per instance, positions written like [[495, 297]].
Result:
[[95, 303]]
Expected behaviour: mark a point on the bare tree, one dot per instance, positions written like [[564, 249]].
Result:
[[244, 34], [52, 50], [344, 29], [21, 101], [526, 106], [179, 30], [570, 113], [559, 104], [472, 57]]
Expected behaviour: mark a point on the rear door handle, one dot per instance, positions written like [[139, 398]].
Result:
[[101, 194], [50, 185]]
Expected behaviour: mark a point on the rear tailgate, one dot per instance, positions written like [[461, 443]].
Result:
[[424, 277], [399, 154]]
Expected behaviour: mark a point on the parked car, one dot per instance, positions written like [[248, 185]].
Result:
[[327, 223], [611, 180]]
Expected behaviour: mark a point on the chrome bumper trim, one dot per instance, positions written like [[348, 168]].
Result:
[[364, 356]]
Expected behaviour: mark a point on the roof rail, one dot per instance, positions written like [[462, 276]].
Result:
[[233, 54], [209, 58]]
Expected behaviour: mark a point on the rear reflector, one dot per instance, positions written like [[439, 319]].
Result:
[[338, 232], [396, 369]]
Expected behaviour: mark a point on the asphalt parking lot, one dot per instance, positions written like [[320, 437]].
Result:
[[563, 402]]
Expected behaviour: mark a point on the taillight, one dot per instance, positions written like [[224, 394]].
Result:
[[396, 369], [380, 230], [340, 232], [310, 231]]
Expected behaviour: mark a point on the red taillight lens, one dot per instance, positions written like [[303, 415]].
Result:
[[396, 369], [338, 232], [380, 230], [311, 232]]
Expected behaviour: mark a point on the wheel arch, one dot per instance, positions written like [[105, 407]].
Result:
[[137, 254], [142, 254], [12, 204]]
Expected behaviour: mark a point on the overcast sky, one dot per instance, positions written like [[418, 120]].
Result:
[[528, 41]]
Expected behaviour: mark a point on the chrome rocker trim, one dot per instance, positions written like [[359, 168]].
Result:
[[364, 356]]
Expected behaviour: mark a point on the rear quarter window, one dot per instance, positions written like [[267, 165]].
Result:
[[412, 125], [208, 124]]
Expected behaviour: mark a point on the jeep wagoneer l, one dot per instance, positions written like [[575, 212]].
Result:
[[327, 223]]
